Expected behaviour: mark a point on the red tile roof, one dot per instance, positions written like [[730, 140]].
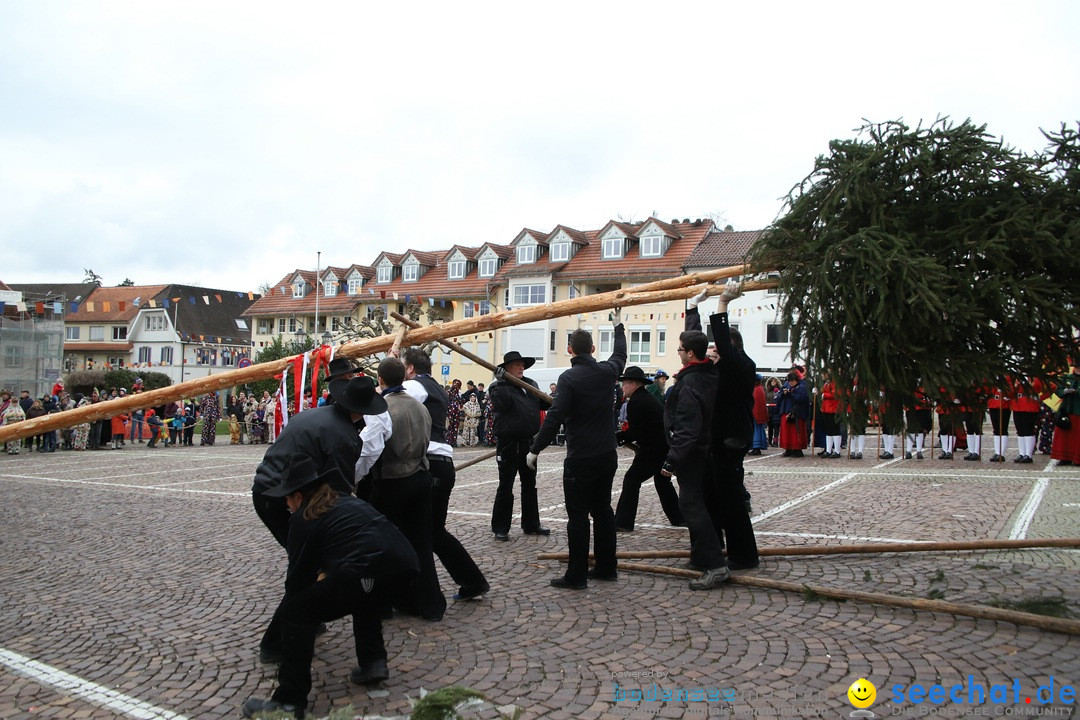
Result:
[[114, 296], [98, 346], [721, 248], [280, 300]]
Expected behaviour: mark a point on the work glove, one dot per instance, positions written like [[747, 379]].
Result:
[[530, 460], [732, 290], [500, 373], [694, 301], [616, 317]]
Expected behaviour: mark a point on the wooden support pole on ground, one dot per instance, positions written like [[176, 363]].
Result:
[[861, 549], [1042, 622], [678, 287], [475, 460], [476, 359]]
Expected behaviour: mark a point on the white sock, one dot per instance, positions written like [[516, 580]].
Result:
[[919, 440], [860, 443], [909, 443], [888, 442], [836, 444], [975, 444], [1027, 449], [947, 443]]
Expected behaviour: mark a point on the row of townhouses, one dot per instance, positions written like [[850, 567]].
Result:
[[188, 332]]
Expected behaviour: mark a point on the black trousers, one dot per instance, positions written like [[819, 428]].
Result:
[[919, 420], [406, 502], [705, 548], [644, 466], [451, 553], [274, 513], [510, 454], [973, 422], [999, 421], [587, 489], [298, 616], [1025, 423], [726, 501]]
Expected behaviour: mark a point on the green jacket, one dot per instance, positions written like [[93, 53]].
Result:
[[1070, 402]]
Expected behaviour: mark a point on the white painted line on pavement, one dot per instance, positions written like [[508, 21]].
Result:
[[92, 692], [854, 538], [783, 507], [476, 484], [124, 485], [1027, 513], [206, 480], [169, 470]]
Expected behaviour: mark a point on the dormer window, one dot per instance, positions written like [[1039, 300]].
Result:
[[298, 289], [652, 246], [456, 269], [330, 288], [613, 247], [410, 272], [488, 265], [384, 273], [526, 254], [560, 252], [354, 285]]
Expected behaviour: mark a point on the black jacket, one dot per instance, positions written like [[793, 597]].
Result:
[[688, 413], [351, 538], [645, 423], [733, 425], [584, 400], [324, 434], [517, 412]]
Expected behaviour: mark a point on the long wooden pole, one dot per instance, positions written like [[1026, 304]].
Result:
[[861, 549], [1053, 624], [407, 322], [478, 459], [679, 287]]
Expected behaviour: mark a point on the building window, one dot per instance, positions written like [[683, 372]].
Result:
[[154, 323], [607, 341], [526, 254], [264, 326], [13, 356], [292, 325], [639, 347], [568, 334], [119, 332], [335, 324], [241, 324], [166, 355], [777, 335], [385, 273], [573, 291], [281, 325], [457, 269], [97, 333], [551, 342], [355, 284], [298, 289], [116, 362], [410, 272], [560, 252], [661, 342], [488, 266], [374, 311], [330, 288], [473, 308], [530, 295], [774, 290], [71, 333], [205, 356], [652, 246], [613, 248], [144, 354]]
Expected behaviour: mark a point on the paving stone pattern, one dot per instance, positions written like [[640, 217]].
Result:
[[148, 573]]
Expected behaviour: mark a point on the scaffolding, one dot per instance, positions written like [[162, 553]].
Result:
[[31, 342]]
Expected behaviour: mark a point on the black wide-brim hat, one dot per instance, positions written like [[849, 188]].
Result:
[[302, 474], [513, 356], [358, 395], [635, 373], [339, 367]]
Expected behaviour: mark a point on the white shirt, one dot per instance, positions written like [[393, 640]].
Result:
[[376, 432], [416, 389]]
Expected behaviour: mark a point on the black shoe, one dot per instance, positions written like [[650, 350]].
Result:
[[836, 455], [887, 456], [907, 456], [797, 453], [1027, 460], [502, 536], [269, 657], [945, 456], [755, 451], [537, 531], [562, 583], [918, 455], [1064, 462], [253, 706], [823, 454], [370, 673], [974, 457], [611, 576], [732, 565], [472, 593]]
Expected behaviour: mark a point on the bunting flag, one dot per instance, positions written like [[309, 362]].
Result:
[[251, 296], [176, 300], [408, 298], [453, 304], [57, 308], [382, 294], [282, 289], [218, 298], [206, 299], [74, 307], [2, 306], [191, 299], [431, 301], [371, 290], [395, 296], [121, 306], [106, 306], [136, 301], [40, 308], [89, 306]]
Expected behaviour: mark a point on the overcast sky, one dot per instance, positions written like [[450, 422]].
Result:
[[224, 143]]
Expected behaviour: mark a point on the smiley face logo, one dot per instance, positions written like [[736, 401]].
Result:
[[862, 693]]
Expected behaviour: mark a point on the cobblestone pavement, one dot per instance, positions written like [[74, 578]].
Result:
[[144, 576]]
